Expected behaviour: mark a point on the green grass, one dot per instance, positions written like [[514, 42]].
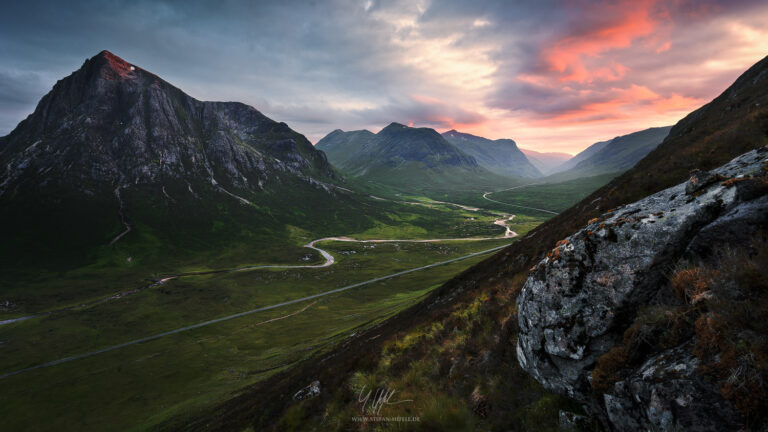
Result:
[[144, 253], [458, 372], [140, 385], [555, 197], [136, 387]]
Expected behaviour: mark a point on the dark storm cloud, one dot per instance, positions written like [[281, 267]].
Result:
[[286, 52], [430, 113], [19, 93]]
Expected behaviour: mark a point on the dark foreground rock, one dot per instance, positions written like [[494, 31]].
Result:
[[578, 302], [308, 392]]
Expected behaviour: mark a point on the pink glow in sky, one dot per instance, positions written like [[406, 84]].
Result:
[[554, 75], [608, 68]]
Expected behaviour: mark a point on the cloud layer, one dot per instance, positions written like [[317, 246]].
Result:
[[553, 75]]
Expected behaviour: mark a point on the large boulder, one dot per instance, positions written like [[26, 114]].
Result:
[[578, 301]]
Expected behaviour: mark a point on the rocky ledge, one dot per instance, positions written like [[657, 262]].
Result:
[[579, 301]]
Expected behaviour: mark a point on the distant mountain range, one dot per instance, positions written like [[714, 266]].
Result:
[[612, 156], [499, 156], [406, 158], [545, 162], [402, 156], [581, 156]]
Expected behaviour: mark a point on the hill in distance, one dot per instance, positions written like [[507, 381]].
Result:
[[612, 156], [407, 159], [499, 156], [583, 155], [546, 162]]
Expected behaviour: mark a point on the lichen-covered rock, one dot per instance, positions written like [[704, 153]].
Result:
[[308, 392], [571, 422], [578, 301], [666, 394]]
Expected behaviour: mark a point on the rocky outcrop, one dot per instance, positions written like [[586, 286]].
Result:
[[308, 392], [578, 301], [667, 394]]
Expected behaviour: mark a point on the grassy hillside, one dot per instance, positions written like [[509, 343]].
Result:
[[499, 156], [614, 156], [556, 197], [341, 146], [581, 156]]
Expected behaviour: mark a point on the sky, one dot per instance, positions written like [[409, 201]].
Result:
[[552, 75]]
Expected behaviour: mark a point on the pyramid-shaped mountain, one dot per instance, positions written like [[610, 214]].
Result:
[[114, 154]]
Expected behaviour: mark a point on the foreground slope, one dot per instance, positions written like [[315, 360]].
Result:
[[601, 323], [500, 156], [732, 124]]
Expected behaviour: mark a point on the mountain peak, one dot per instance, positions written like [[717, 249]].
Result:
[[500, 156], [455, 133], [118, 67], [395, 125]]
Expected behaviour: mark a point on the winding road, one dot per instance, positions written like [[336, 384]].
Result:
[[241, 314], [329, 260]]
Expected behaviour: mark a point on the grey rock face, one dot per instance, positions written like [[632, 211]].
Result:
[[115, 123], [577, 302], [570, 422], [666, 394], [308, 392]]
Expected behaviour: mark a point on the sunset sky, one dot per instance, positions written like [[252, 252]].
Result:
[[554, 76]]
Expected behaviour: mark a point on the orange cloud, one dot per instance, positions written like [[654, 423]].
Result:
[[630, 20], [667, 45], [635, 101], [435, 112]]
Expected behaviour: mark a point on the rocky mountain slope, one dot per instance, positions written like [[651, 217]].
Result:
[[458, 346], [340, 146], [405, 158], [613, 156], [546, 162], [587, 330], [114, 154], [499, 156]]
